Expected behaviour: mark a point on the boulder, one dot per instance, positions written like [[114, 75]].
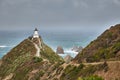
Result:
[[59, 50]]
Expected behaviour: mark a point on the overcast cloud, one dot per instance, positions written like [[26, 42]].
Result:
[[59, 14]]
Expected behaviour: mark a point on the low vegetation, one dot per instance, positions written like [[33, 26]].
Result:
[[83, 72], [22, 62], [37, 59], [105, 47], [16, 57], [23, 65], [49, 54], [94, 77]]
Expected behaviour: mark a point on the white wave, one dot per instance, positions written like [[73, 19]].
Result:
[[70, 51], [4, 46], [67, 51]]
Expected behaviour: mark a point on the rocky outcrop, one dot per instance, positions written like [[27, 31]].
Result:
[[68, 59], [59, 50]]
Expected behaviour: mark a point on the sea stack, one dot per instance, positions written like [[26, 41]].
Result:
[[60, 50]]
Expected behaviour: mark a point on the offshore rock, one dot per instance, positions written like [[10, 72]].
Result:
[[60, 50]]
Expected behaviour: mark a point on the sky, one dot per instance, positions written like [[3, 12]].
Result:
[[56, 15]]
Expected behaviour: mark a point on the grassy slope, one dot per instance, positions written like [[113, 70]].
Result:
[[21, 61], [16, 57], [105, 47], [49, 54], [105, 71]]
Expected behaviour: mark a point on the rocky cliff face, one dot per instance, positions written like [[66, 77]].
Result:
[[105, 47]]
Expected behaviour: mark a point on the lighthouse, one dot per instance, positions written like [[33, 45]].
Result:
[[37, 42], [36, 35]]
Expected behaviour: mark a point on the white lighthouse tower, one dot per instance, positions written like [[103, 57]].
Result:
[[36, 35], [36, 42]]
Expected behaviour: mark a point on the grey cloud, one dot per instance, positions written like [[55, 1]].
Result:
[[78, 14], [117, 2]]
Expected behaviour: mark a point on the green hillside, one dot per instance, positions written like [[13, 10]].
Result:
[[105, 47], [21, 60]]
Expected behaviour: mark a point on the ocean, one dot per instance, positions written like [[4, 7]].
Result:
[[66, 39]]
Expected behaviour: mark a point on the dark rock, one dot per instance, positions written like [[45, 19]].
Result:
[[60, 50]]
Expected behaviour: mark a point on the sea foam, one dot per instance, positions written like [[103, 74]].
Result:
[[4, 46], [68, 52]]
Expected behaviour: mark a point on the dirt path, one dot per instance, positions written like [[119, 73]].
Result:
[[96, 63], [38, 50], [9, 77]]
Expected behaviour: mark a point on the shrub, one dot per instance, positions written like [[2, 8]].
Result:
[[81, 66], [105, 66], [55, 79], [41, 73], [69, 68], [93, 78], [116, 47], [37, 59], [79, 78], [109, 34]]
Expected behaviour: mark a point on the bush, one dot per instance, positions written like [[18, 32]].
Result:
[[116, 47], [79, 78], [37, 59], [41, 73], [93, 78], [109, 35], [105, 66], [55, 79], [81, 66]]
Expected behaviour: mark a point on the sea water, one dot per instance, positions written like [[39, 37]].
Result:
[[9, 39]]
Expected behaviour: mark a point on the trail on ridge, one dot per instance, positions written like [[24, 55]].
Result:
[[38, 50]]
